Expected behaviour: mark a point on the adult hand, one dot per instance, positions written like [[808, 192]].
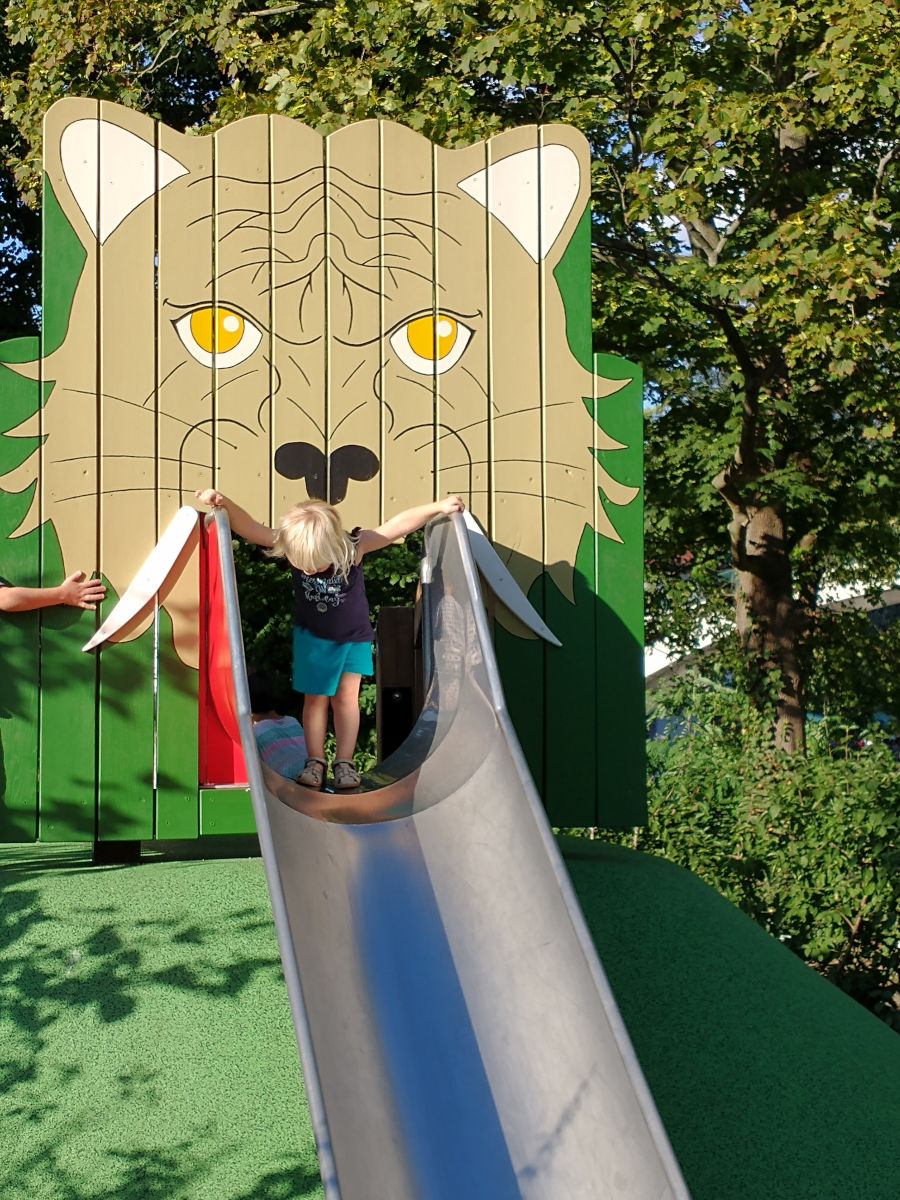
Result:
[[451, 504]]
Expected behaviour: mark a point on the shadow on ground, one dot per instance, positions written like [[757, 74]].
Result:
[[148, 1046]]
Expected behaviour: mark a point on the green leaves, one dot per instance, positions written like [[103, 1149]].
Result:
[[808, 847], [746, 198]]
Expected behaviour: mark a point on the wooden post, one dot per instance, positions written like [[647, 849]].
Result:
[[395, 679]]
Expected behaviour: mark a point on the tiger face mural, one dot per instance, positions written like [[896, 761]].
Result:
[[367, 318]]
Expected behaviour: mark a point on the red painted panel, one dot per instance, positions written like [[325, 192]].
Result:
[[221, 760]]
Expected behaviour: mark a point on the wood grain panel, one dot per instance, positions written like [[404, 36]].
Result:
[[408, 254], [570, 467], [463, 383], [355, 322], [127, 393], [187, 460], [299, 356], [243, 292], [69, 483], [517, 401]]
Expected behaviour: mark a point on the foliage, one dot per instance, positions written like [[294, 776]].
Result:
[[155, 57], [853, 667], [19, 225], [808, 846], [746, 195], [746, 192]]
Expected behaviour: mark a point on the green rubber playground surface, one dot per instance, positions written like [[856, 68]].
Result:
[[772, 1084], [148, 1052]]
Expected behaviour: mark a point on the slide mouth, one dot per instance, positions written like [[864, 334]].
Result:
[[456, 731]]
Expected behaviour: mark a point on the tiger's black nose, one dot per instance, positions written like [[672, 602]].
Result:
[[301, 460]]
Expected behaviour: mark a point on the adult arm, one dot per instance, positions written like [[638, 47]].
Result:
[[406, 522], [238, 518], [74, 591]]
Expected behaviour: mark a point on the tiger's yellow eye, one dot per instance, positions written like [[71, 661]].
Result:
[[432, 343], [216, 330], [432, 336], [217, 336]]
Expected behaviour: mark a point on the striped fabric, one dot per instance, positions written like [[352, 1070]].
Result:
[[281, 745]]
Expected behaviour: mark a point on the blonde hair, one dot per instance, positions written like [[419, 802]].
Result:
[[311, 537]]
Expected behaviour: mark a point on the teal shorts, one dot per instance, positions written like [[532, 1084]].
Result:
[[319, 664]]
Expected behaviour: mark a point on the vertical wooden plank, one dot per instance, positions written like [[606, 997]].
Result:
[[184, 438], [237, 334], [572, 738], [20, 398], [69, 481], [571, 507], [177, 813], [298, 352], [463, 413], [23, 394], [355, 321], [127, 461], [19, 686], [243, 290], [621, 742], [510, 193], [407, 391]]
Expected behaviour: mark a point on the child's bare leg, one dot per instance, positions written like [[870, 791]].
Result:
[[315, 724], [345, 707]]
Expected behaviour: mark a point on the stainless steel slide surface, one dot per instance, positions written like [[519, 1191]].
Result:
[[457, 1034]]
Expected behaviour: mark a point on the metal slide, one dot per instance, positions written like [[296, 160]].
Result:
[[458, 1038]]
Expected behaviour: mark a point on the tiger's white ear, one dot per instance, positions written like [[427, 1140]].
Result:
[[531, 193], [110, 171]]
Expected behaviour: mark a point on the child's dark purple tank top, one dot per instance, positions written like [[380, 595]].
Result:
[[332, 607]]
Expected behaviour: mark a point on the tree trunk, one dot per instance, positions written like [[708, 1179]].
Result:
[[767, 616], [769, 620]]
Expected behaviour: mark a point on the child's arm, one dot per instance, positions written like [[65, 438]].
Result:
[[75, 590], [405, 522], [240, 520]]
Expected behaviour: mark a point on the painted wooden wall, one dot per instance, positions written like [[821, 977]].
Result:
[[365, 317]]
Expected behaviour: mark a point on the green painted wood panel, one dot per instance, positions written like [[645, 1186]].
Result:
[[68, 717], [127, 465], [68, 485], [19, 694], [177, 806], [621, 796], [578, 710], [126, 741], [265, 290], [226, 810]]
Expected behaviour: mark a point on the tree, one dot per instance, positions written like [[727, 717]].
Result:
[[19, 226], [158, 57], [746, 188], [808, 845]]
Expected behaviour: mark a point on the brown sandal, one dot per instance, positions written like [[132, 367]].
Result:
[[346, 777], [313, 773]]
